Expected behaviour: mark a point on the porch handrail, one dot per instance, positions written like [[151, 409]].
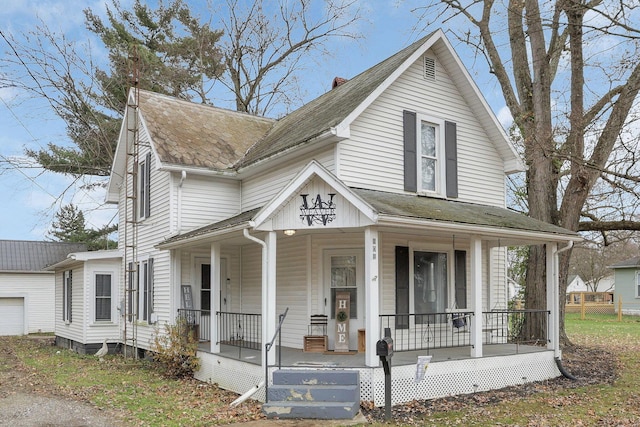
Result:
[[267, 347], [523, 326], [197, 321], [425, 331]]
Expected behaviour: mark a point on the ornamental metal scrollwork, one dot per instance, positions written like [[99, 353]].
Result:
[[321, 212]]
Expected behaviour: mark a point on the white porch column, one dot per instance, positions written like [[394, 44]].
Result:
[[553, 327], [476, 296], [371, 294], [269, 317], [215, 296]]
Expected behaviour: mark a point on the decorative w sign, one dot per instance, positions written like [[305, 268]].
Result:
[[321, 212]]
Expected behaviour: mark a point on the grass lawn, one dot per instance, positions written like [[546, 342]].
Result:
[[138, 392], [134, 390]]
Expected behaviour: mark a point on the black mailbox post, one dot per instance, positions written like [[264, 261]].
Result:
[[384, 349]]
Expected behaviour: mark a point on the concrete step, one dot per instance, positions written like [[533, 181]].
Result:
[[316, 377], [317, 410], [315, 393]]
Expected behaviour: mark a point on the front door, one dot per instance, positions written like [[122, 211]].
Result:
[[344, 273], [203, 272]]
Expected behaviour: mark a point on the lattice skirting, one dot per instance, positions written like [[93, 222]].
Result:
[[442, 378]]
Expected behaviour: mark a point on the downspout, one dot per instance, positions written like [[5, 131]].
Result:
[[265, 356], [558, 359], [183, 176]]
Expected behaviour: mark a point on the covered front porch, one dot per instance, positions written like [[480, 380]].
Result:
[[429, 272]]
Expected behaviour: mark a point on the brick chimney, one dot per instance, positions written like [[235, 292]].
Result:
[[337, 81]]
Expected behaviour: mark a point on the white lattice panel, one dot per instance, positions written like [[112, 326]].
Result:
[[462, 376], [230, 374]]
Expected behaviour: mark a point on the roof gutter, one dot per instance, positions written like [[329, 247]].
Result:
[[197, 171], [388, 220], [201, 237]]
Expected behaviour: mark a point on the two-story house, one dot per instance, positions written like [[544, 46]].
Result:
[[378, 207]]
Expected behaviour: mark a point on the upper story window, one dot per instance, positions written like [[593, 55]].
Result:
[[430, 162], [430, 155], [144, 187]]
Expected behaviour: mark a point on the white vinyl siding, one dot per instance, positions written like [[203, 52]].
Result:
[[292, 289], [377, 141], [74, 330], [205, 200], [260, 189], [150, 232]]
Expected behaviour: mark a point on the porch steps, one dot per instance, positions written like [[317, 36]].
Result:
[[309, 393]]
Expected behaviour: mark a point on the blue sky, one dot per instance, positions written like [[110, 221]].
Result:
[[31, 196]]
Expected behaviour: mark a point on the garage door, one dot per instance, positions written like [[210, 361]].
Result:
[[11, 316]]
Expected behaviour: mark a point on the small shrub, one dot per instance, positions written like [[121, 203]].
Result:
[[176, 349]]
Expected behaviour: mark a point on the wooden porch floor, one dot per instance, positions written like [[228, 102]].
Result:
[[292, 357]]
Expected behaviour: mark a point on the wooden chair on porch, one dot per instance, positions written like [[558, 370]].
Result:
[[316, 340]]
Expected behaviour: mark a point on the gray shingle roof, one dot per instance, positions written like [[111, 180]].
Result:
[[22, 255], [328, 110], [429, 208], [197, 135], [631, 262], [417, 207]]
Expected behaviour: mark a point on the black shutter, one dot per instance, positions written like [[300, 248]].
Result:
[[410, 152], [147, 189], [402, 287], [461, 279], [451, 153]]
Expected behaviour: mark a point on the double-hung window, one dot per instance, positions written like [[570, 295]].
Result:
[[145, 290], [67, 295], [144, 187], [103, 297], [430, 155], [430, 163]]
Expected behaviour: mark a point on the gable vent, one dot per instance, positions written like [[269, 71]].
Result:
[[429, 68]]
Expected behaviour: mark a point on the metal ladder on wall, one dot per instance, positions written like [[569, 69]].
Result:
[[130, 232]]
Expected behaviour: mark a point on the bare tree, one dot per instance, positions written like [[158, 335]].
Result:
[[268, 44], [568, 78]]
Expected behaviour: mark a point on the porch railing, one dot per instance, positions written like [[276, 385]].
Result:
[[427, 331], [515, 327], [453, 329], [243, 330], [198, 321]]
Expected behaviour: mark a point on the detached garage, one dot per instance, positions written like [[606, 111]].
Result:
[[27, 291]]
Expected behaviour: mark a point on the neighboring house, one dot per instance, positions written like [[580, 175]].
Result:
[[87, 296], [627, 285], [380, 204], [26, 288], [576, 284]]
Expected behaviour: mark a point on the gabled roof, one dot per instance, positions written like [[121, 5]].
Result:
[[629, 263], [32, 256], [333, 112], [198, 135], [210, 138]]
